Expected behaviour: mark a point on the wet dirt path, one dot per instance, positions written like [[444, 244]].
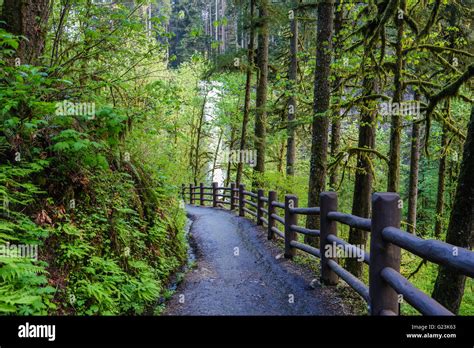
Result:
[[239, 272]]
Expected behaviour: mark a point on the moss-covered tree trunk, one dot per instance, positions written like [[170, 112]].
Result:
[[449, 286], [413, 176], [393, 180], [441, 185], [338, 86], [292, 74], [248, 91], [261, 98], [361, 200], [229, 162], [27, 18], [197, 156], [322, 95]]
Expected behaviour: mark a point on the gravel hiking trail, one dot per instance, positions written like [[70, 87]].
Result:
[[239, 272]]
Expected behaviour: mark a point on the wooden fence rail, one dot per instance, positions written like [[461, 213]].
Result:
[[386, 284]]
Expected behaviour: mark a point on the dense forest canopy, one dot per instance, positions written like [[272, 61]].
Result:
[[108, 107]]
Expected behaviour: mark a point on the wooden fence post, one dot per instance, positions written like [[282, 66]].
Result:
[[386, 212], [259, 206], [241, 200], [214, 194], [328, 202], [182, 193], [291, 201], [232, 196], [190, 193], [272, 196], [201, 193]]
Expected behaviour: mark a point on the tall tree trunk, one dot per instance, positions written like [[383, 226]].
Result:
[[361, 202], [322, 94], [335, 145], [363, 177], [281, 157], [336, 120], [248, 91], [192, 136], [27, 18], [261, 100], [449, 286], [440, 199], [292, 76], [441, 185], [393, 180], [414, 168], [229, 162], [201, 121]]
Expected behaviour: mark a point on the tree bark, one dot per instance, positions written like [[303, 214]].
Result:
[[449, 286], [441, 185], [336, 120], [393, 181], [322, 94], [261, 98], [292, 76], [414, 168], [363, 178], [281, 157], [440, 199], [248, 92], [229, 163], [196, 164], [27, 18]]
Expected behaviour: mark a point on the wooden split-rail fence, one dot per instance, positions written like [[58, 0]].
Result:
[[387, 287]]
